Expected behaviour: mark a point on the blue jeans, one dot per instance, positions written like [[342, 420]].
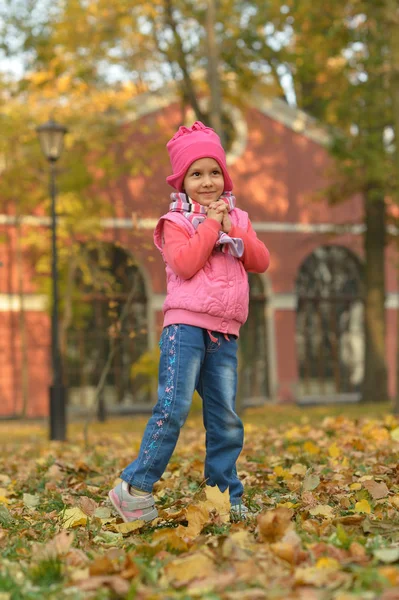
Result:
[[191, 361]]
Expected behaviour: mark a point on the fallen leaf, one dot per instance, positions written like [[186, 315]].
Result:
[[197, 516], [298, 469], [76, 558], [327, 563], [387, 555], [116, 583], [219, 501], [73, 517], [194, 566], [56, 547], [169, 539], [102, 565], [376, 490], [31, 500], [87, 505], [355, 486], [273, 524], [126, 528], [363, 507], [311, 482], [55, 473], [285, 551], [322, 510], [390, 573], [311, 448], [392, 594], [334, 451]]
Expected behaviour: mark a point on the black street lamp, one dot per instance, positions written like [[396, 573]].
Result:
[[51, 137]]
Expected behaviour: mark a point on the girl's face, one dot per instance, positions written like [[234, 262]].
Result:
[[204, 181]]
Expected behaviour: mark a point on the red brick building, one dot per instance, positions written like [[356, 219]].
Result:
[[303, 340]]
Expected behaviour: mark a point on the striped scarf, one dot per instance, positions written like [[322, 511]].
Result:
[[196, 214]]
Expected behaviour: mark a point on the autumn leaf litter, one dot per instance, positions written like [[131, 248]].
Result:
[[324, 522]]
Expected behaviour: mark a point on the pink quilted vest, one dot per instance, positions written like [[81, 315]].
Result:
[[215, 298]]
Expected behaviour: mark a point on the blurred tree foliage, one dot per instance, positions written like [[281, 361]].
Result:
[[341, 58], [86, 60]]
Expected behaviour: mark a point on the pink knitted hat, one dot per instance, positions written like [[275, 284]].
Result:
[[190, 144]]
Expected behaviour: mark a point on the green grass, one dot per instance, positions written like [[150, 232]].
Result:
[[47, 572]]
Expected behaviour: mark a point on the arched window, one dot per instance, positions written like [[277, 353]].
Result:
[[329, 324], [109, 327], [253, 360]]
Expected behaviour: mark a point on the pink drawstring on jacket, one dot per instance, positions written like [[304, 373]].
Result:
[[215, 339]]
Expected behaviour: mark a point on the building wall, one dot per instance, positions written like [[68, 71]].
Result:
[[279, 175]]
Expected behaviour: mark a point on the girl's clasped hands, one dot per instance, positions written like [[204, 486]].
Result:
[[218, 210]]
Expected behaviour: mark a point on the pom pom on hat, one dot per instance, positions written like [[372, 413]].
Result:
[[190, 144]]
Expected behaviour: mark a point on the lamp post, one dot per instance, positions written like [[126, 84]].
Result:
[[51, 137]]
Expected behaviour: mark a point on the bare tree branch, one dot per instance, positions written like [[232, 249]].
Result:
[[108, 363], [187, 84]]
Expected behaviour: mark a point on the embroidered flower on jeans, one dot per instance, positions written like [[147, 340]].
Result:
[[168, 393]]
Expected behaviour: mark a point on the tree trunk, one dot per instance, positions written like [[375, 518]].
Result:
[[213, 71], [392, 17], [375, 371]]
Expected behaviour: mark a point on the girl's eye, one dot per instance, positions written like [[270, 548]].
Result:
[[196, 173], [216, 172]]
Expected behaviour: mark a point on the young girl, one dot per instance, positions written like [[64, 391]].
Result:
[[207, 245]]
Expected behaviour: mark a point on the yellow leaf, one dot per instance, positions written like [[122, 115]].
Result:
[[334, 451], [312, 576], [292, 434], [286, 551], [194, 566], [4, 500], [169, 539], [311, 448], [126, 528], [197, 516], [327, 563], [280, 472], [219, 501], [355, 486], [395, 434], [73, 517], [322, 510], [363, 507], [243, 539]]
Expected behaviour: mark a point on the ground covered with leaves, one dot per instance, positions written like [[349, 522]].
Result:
[[325, 524]]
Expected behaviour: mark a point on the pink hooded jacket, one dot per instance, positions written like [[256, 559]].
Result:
[[216, 296]]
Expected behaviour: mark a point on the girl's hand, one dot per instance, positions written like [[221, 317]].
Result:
[[219, 206], [213, 213], [226, 223], [217, 210]]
